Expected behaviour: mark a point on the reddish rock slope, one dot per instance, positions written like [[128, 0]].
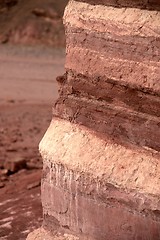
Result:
[[30, 22]]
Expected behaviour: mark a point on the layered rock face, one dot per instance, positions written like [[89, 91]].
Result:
[[101, 174]]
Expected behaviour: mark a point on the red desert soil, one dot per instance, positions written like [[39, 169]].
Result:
[[27, 92]]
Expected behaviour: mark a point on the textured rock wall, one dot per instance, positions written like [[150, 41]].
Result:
[[101, 151]]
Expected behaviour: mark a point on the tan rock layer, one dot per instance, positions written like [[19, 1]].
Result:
[[119, 21], [96, 188], [80, 150], [136, 75], [148, 4], [118, 44], [131, 48]]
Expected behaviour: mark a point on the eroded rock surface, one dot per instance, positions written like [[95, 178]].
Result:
[[101, 152]]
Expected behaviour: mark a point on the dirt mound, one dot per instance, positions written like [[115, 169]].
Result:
[[32, 22]]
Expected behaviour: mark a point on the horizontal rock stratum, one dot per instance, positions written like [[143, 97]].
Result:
[[101, 153]]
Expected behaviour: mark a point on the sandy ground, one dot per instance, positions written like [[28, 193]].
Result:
[[27, 91]]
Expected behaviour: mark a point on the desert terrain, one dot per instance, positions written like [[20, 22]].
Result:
[[32, 22], [28, 90]]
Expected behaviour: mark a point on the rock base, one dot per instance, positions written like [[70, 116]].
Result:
[[42, 234], [101, 195]]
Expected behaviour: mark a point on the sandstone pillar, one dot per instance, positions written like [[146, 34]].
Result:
[[101, 160]]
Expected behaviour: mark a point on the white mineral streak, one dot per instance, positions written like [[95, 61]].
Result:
[[99, 158]]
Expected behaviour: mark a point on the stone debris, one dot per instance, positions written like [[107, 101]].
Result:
[[34, 185], [2, 184], [3, 172], [40, 12], [3, 175], [14, 165], [42, 234]]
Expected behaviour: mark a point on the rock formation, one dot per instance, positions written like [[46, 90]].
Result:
[[101, 168], [32, 22]]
